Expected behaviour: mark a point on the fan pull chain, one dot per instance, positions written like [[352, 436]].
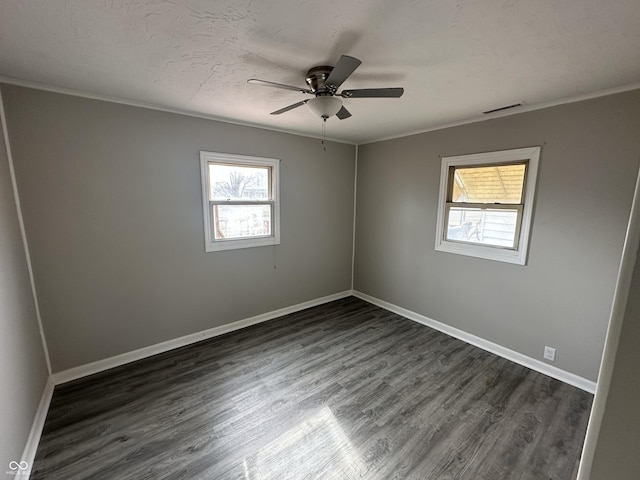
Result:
[[324, 133]]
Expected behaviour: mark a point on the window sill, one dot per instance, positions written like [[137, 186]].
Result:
[[241, 243], [487, 253]]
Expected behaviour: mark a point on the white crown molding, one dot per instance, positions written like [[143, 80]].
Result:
[[160, 108], [479, 118], [514, 111], [124, 358], [532, 363]]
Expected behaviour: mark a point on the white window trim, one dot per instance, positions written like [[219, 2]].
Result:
[[212, 245], [518, 255]]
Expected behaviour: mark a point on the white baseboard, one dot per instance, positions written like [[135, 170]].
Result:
[[30, 449], [29, 452], [111, 362], [532, 363], [499, 350]]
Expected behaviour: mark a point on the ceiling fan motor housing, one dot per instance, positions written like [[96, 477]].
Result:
[[317, 80]]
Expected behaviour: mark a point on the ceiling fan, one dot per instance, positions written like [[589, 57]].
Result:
[[323, 83]]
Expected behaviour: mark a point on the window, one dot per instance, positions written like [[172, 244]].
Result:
[[240, 201], [486, 203]]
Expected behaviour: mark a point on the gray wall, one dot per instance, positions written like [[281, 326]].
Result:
[[113, 212], [562, 297], [616, 455], [23, 370]]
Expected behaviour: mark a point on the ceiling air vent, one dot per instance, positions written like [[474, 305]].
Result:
[[506, 107]]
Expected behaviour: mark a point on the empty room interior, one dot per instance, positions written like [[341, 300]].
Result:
[[319, 240]]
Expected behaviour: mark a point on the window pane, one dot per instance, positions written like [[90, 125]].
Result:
[[496, 227], [241, 221], [496, 184], [235, 182]]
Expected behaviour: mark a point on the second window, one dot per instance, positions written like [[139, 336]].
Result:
[[240, 196]]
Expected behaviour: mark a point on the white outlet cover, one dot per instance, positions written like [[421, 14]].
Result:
[[550, 353]]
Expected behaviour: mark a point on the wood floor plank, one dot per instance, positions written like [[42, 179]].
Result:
[[344, 390]]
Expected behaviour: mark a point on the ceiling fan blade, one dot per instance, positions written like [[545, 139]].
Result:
[[343, 69], [290, 107], [373, 93], [265, 83], [343, 113]]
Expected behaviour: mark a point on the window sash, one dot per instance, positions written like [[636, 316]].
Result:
[[518, 255], [241, 202], [452, 173], [485, 206], [269, 169], [243, 233], [519, 207], [213, 203], [214, 218]]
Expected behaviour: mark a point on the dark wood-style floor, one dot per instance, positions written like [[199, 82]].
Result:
[[345, 390]]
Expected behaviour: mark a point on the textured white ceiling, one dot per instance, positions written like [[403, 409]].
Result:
[[455, 59]]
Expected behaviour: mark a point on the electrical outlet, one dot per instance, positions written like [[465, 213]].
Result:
[[550, 353]]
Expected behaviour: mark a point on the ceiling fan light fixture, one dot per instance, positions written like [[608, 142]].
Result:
[[324, 82], [325, 106]]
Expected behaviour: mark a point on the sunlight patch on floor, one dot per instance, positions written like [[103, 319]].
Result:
[[315, 448]]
